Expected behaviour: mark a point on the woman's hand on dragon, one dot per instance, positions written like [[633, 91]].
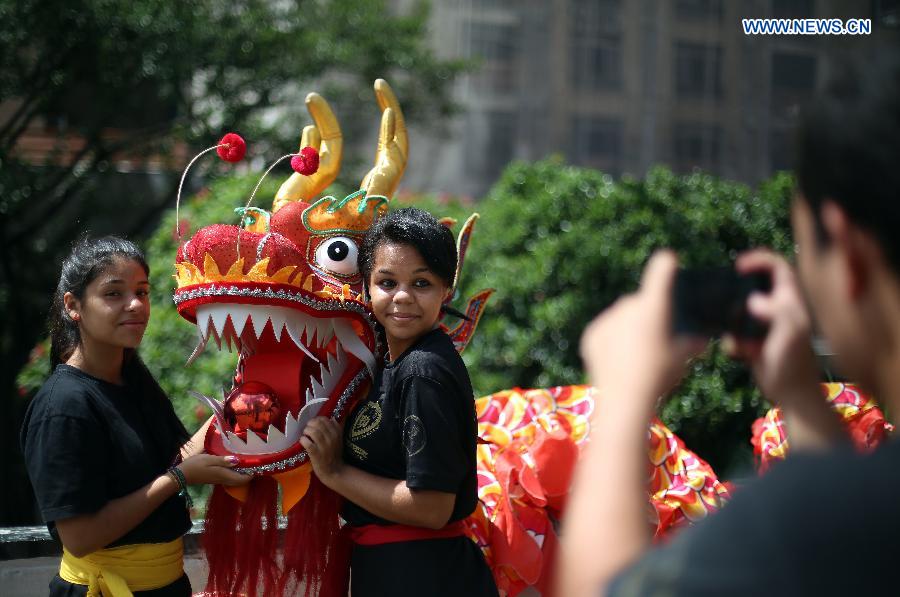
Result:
[[323, 441]]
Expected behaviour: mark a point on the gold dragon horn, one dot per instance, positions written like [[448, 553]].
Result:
[[327, 138], [393, 146]]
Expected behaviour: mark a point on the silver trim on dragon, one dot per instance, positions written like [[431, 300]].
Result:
[[332, 304]]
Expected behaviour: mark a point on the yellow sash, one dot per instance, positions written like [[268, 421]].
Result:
[[118, 571]]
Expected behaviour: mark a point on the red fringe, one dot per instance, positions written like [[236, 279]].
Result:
[[241, 540], [316, 549]]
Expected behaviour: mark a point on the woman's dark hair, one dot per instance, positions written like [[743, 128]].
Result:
[[416, 228], [87, 260], [849, 147]]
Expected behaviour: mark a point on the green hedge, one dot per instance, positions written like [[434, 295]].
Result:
[[560, 243]]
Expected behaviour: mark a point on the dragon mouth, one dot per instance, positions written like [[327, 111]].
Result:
[[312, 355]]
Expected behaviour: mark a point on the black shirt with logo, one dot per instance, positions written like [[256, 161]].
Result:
[[418, 425]]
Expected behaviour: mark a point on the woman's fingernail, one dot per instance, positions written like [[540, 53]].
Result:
[[232, 459]]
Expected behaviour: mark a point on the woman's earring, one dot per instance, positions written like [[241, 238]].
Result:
[[75, 316]]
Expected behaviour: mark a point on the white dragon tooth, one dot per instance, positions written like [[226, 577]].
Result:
[[309, 395], [310, 410], [309, 333], [352, 344], [234, 443], [215, 336], [333, 361], [219, 316], [216, 406], [331, 375], [275, 439], [294, 331], [317, 390], [259, 324], [277, 318], [198, 350], [239, 317], [324, 331], [256, 443], [291, 429]]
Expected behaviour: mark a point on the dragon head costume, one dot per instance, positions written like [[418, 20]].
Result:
[[283, 290]]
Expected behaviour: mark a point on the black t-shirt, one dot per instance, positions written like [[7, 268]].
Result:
[[87, 442], [417, 424], [815, 525]]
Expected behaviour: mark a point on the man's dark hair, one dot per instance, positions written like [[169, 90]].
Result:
[[849, 147], [416, 228]]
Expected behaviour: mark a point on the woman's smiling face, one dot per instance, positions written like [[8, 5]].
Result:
[[406, 295], [115, 308]]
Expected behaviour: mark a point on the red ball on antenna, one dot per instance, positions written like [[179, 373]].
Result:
[[232, 147], [306, 162]]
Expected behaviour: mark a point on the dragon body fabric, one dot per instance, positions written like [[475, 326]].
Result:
[[284, 292]]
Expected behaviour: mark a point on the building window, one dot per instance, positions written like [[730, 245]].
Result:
[[793, 9], [697, 146], [699, 10], [793, 82], [781, 149], [597, 142], [698, 70], [590, 18], [597, 63], [497, 145], [496, 45]]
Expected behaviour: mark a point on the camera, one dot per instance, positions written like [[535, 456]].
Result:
[[712, 301]]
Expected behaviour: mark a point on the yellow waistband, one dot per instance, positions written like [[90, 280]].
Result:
[[118, 571]]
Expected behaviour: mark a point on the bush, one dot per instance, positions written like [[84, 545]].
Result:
[[560, 243]]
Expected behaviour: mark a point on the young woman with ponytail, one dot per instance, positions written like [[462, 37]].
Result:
[[109, 460]]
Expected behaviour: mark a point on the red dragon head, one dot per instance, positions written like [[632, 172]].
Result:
[[284, 292]]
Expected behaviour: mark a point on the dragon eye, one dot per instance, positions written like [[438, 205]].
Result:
[[338, 255]]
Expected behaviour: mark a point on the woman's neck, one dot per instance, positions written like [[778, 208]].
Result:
[[102, 364]]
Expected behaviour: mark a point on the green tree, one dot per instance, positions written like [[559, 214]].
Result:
[[560, 243], [90, 86]]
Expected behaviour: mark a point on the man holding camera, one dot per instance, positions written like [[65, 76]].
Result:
[[828, 520]]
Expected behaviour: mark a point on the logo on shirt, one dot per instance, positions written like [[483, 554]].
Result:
[[366, 421], [414, 439]]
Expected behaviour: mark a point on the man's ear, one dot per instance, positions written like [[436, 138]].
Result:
[[856, 248]]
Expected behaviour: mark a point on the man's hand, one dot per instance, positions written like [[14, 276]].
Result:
[[629, 348], [783, 362]]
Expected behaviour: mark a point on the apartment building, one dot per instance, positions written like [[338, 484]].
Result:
[[622, 85]]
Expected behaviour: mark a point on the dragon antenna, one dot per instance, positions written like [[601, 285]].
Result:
[[305, 162], [231, 148]]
